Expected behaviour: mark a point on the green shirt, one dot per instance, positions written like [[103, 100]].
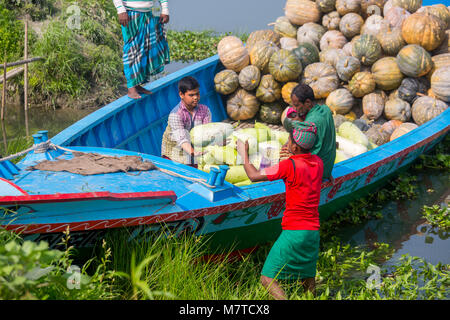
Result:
[[325, 146]]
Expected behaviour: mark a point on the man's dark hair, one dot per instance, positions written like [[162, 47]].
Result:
[[188, 83], [303, 92]]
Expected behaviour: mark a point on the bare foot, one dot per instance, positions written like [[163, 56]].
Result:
[[143, 90], [133, 93]]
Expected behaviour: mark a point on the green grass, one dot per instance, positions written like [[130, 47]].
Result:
[[195, 45]]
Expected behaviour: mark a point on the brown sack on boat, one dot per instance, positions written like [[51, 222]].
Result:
[[93, 163]]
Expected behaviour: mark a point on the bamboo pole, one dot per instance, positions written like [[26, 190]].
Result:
[[2, 116], [5, 141], [25, 79], [18, 63]]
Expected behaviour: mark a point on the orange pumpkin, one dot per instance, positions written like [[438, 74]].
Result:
[[286, 91], [242, 105], [403, 129], [332, 39], [322, 78], [232, 53], [373, 105], [390, 126], [300, 12], [423, 29]]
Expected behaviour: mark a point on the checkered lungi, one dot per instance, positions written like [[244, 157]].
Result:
[[145, 49]]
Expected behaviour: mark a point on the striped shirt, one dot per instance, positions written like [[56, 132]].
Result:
[[140, 5], [179, 125]]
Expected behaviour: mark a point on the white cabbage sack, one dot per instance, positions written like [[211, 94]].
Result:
[[210, 134]]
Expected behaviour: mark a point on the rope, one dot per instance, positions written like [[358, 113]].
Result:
[[44, 146]]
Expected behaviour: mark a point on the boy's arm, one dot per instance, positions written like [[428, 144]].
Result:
[[253, 174]]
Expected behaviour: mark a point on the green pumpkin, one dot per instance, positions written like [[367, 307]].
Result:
[[362, 83], [411, 88], [414, 61], [271, 112], [285, 28], [307, 53], [226, 81], [391, 40], [326, 5], [410, 5], [249, 77], [367, 49], [387, 74], [284, 66], [259, 35], [261, 53], [268, 90], [346, 67]]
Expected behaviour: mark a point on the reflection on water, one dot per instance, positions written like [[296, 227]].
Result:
[[40, 118], [240, 16], [404, 228]]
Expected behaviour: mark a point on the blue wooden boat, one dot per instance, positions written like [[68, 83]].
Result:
[[42, 204]]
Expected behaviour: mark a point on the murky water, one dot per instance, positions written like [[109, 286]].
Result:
[[404, 228]]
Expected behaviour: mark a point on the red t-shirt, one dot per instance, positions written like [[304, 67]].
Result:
[[302, 190]]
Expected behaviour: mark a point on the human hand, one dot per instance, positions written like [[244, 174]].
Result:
[[123, 19], [284, 153], [164, 18], [198, 153], [242, 148]]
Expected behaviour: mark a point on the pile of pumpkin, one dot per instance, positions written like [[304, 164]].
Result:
[[382, 65]]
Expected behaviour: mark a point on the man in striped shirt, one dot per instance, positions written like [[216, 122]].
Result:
[[176, 142], [145, 49]]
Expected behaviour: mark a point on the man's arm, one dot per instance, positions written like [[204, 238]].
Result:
[[122, 12], [253, 174], [164, 18]]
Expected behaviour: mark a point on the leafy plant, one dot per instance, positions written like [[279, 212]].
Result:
[[11, 36], [437, 216]]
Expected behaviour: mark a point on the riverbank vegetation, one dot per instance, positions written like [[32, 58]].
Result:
[[82, 50]]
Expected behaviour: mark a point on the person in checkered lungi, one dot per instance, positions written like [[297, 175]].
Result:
[[145, 48]]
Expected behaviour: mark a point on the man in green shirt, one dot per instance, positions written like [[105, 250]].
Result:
[[303, 109]]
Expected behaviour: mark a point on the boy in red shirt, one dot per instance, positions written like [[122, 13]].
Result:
[[294, 255]]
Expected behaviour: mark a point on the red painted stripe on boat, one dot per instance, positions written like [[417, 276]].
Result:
[[15, 186], [86, 196], [127, 222]]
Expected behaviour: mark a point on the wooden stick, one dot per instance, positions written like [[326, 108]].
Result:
[[12, 73], [5, 140], [2, 116], [25, 79]]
